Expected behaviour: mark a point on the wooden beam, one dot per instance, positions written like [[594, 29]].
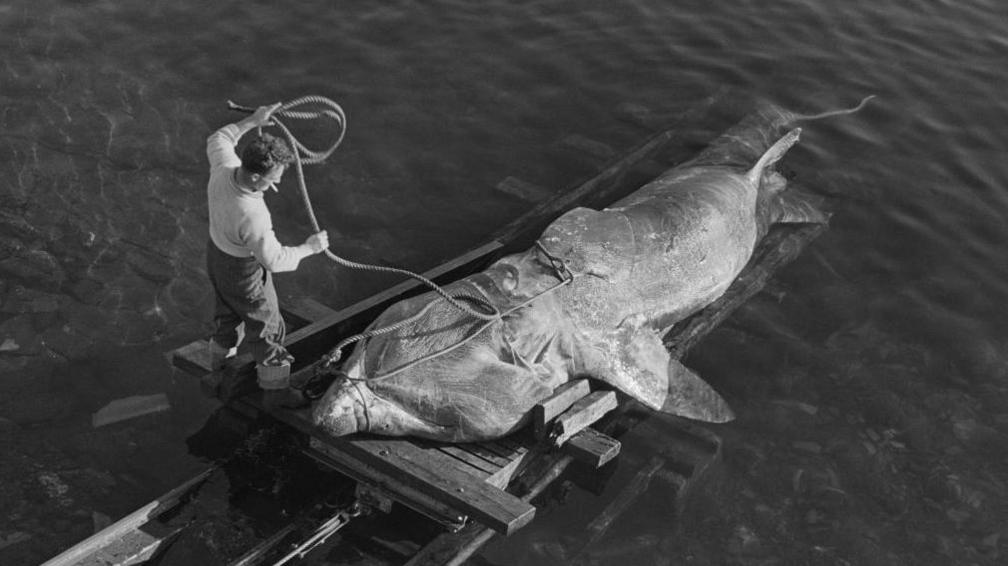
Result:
[[383, 483], [427, 472], [592, 447], [588, 146], [452, 549], [409, 464], [124, 538], [306, 309], [193, 358], [582, 414], [524, 190], [565, 395], [623, 501]]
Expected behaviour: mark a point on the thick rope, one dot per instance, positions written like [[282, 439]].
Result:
[[306, 156]]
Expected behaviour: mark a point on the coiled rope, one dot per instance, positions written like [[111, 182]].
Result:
[[306, 156]]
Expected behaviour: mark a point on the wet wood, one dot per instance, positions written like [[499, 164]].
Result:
[[453, 549], [193, 358], [431, 475], [562, 398], [427, 471], [529, 192], [305, 310], [583, 413], [592, 448], [592, 148], [451, 517], [624, 499], [133, 538], [407, 467]]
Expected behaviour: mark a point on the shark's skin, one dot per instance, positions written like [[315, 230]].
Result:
[[648, 261]]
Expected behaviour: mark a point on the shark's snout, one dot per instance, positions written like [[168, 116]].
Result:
[[342, 410]]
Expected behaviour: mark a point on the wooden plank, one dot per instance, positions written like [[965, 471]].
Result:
[[306, 309], [524, 190], [586, 411], [409, 464], [480, 467], [502, 478], [452, 549], [562, 398], [592, 447], [504, 448], [106, 540], [623, 501], [427, 472], [399, 491], [593, 148], [193, 358], [134, 547], [484, 452]]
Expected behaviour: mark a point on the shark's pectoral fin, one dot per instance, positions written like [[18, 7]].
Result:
[[634, 361], [691, 397]]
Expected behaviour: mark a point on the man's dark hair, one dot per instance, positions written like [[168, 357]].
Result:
[[264, 153]]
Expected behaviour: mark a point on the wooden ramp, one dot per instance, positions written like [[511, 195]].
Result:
[[448, 483], [481, 489]]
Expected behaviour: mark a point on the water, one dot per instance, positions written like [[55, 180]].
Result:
[[870, 378]]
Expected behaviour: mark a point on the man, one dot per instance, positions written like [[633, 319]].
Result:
[[243, 252]]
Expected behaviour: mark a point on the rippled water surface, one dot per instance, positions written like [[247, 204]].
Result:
[[869, 378]]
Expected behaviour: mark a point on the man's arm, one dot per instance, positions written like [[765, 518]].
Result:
[[278, 258], [221, 144]]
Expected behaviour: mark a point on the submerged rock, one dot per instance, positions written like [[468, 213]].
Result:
[[18, 336], [22, 300], [37, 267]]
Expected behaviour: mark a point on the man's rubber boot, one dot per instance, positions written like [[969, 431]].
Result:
[[277, 392]]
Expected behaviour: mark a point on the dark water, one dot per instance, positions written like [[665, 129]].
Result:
[[870, 379]]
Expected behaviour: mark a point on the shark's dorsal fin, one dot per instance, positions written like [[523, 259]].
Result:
[[772, 155]]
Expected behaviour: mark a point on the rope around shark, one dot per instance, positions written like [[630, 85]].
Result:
[[306, 156]]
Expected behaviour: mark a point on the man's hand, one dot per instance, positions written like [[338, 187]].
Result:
[[262, 116], [318, 242]]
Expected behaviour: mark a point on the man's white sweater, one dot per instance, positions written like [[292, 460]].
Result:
[[240, 223]]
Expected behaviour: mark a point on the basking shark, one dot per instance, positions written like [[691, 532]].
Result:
[[592, 299]]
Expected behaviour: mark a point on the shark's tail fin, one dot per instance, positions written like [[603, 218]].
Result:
[[772, 155], [831, 113]]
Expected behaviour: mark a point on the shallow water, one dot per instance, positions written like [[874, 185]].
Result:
[[870, 378]]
